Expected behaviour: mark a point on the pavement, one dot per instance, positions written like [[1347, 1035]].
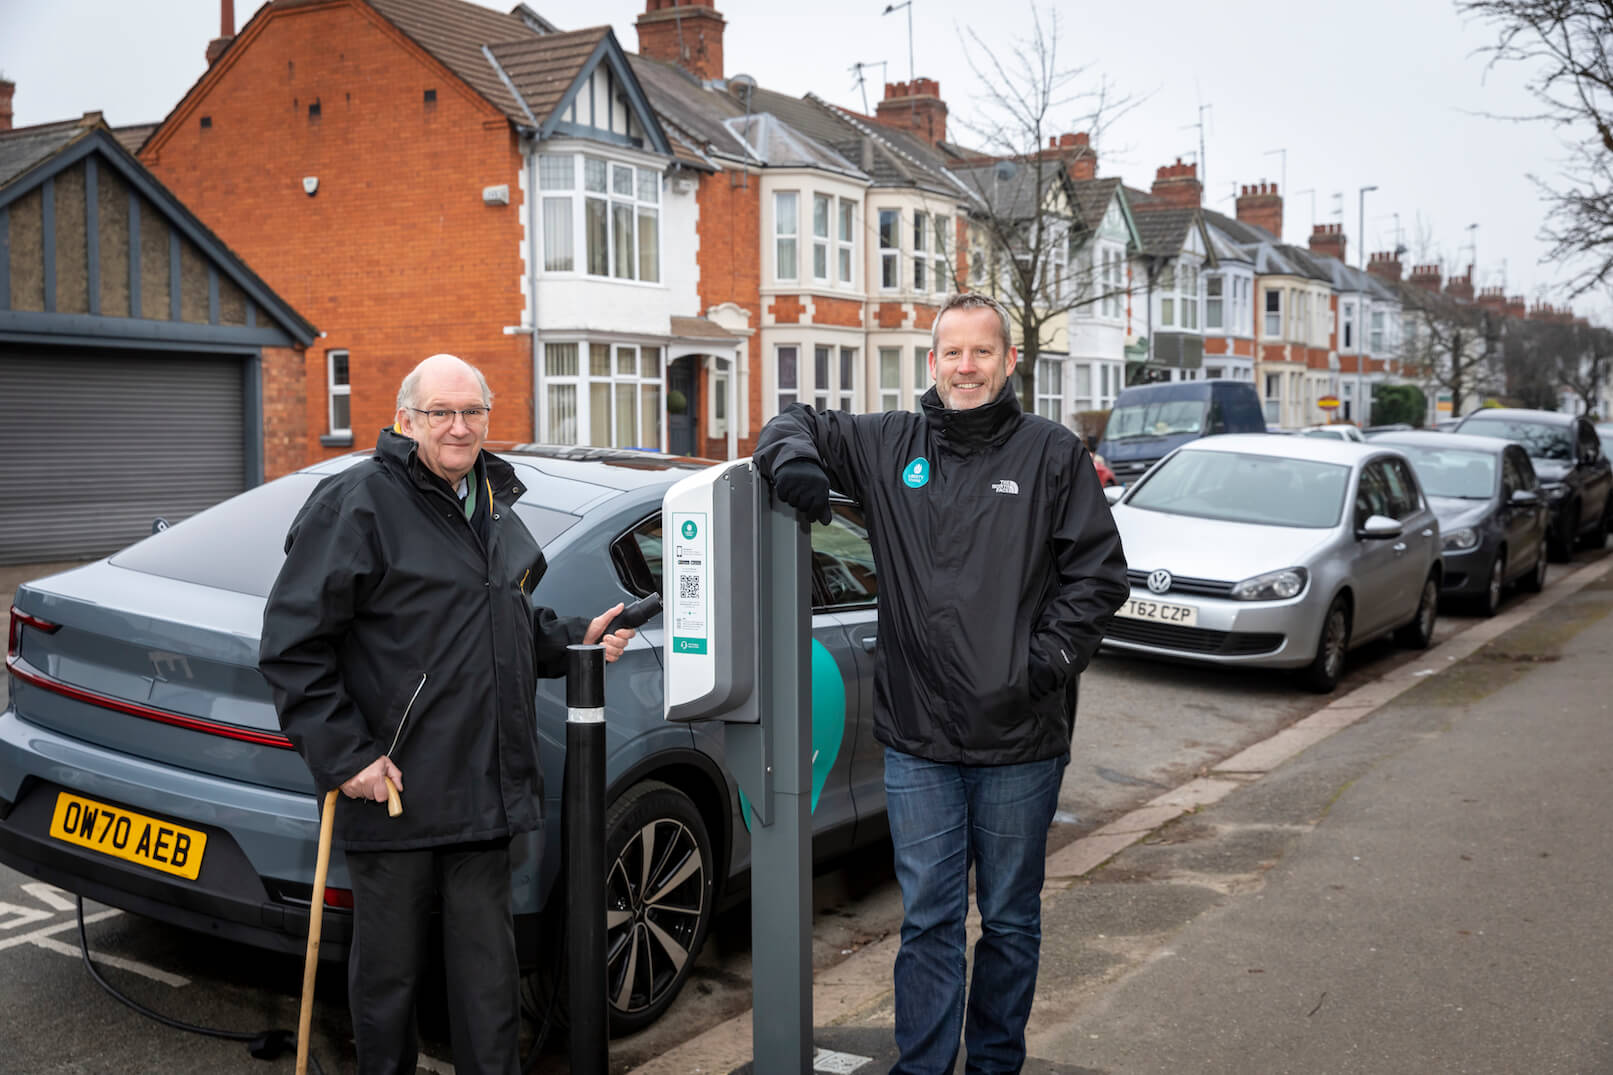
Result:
[[1413, 879]]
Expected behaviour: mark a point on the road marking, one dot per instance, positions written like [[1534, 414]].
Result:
[[839, 1063], [104, 960], [60, 927], [12, 916], [50, 895]]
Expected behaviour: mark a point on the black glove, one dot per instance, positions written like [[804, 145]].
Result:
[[803, 485]]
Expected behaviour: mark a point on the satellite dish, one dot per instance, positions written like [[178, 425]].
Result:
[[742, 86], [1006, 170]]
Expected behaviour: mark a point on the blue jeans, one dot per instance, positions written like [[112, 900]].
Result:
[[943, 819]]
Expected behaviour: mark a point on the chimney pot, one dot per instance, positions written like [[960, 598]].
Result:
[[7, 88]]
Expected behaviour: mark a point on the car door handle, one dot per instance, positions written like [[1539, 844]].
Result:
[[1399, 547], [870, 642], [1428, 533]]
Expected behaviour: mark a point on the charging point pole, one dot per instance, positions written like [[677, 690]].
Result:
[[780, 746], [584, 798]]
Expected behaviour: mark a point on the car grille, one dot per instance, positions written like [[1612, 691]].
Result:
[[1183, 584], [1194, 639], [1128, 472]]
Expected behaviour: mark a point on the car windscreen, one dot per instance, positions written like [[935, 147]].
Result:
[[239, 544], [1455, 472], [1540, 439], [1246, 488], [1156, 418]]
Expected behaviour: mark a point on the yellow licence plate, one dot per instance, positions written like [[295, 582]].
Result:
[[129, 836]]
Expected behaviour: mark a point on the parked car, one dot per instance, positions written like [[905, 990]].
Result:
[[135, 694], [1276, 552], [1447, 425], [1574, 472], [1338, 431], [1393, 427], [1150, 420], [1493, 522]]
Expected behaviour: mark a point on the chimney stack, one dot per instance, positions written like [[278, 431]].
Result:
[[1426, 277], [226, 31], [1328, 239], [687, 33], [7, 88], [1176, 186], [1494, 299], [1517, 306], [1461, 287], [1076, 150], [915, 106], [1260, 206], [1384, 265]]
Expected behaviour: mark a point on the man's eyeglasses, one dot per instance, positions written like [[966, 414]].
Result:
[[475, 417]]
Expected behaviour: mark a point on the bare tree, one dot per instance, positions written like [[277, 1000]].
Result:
[[1567, 45], [1452, 345], [1029, 245]]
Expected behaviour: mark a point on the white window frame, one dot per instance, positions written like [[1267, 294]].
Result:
[[943, 254], [1187, 279], [1214, 302], [846, 242], [890, 257], [335, 390], [1050, 398], [641, 201], [821, 243], [787, 235], [1166, 286], [1271, 329], [570, 364], [890, 378], [921, 257], [784, 395], [921, 372]]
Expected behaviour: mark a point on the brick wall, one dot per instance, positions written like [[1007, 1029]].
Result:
[[395, 257]]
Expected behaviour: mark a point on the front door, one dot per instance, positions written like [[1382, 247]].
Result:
[[683, 405]]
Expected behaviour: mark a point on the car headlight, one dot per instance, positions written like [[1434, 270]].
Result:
[[1272, 586], [1554, 490], [1460, 540]]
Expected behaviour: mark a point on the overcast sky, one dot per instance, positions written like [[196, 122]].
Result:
[[1390, 93]]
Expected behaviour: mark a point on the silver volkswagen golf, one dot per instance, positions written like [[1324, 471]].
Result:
[[1277, 552], [142, 763]]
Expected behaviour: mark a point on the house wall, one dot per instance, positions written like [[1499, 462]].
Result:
[[395, 256]]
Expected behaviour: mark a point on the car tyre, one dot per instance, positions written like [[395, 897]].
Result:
[[1535, 581], [1596, 537], [659, 897], [1562, 536], [1419, 633], [1490, 600], [1326, 668]]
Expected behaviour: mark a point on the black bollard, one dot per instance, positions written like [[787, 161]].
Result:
[[584, 799]]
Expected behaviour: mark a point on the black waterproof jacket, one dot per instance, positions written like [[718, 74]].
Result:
[[393, 610], [999, 566]]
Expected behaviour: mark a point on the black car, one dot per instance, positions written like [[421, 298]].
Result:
[[1493, 522], [1574, 473]]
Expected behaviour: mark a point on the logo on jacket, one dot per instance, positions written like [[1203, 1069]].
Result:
[[1005, 485], [917, 473], [1159, 580]]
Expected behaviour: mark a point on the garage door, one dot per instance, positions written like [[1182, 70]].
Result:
[[94, 446]]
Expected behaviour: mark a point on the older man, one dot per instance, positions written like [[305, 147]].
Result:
[[999, 565], [401, 645]]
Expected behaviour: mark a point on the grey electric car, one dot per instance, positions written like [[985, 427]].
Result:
[[135, 701]]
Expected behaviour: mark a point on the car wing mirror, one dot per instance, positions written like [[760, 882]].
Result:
[[1379, 527], [1524, 496], [1113, 493]]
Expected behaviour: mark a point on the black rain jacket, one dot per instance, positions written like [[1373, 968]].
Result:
[[392, 605], [999, 567]]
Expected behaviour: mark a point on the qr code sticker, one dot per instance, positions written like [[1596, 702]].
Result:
[[689, 587]]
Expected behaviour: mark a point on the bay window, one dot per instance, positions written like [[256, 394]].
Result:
[[621, 384], [621, 216]]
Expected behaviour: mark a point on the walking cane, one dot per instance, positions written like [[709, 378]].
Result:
[[315, 917]]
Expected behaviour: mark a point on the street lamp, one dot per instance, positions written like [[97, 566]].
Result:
[[1361, 401]]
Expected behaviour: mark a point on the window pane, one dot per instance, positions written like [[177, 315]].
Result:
[[560, 360], [649, 246], [889, 271], [599, 414], [784, 213], [593, 175], [563, 412], [650, 362], [338, 368], [626, 419], [622, 232], [649, 186], [599, 360], [598, 238], [888, 220], [786, 259], [557, 240], [820, 261], [921, 232], [787, 374], [820, 215], [649, 417], [556, 171], [845, 265], [820, 367], [844, 560], [890, 367], [627, 361], [846, 221], [339, 411], [621, 179]]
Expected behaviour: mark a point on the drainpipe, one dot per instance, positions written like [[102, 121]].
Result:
[[539, 433]]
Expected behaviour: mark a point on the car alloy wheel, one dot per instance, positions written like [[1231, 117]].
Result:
[[1535, 581], [658, 901], [1498, 578], [1326, 668], [1419, 633]]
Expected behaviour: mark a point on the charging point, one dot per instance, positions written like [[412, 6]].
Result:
[[738, 649]]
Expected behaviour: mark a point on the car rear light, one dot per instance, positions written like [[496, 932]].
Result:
[[19, 620], [339, 897]]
